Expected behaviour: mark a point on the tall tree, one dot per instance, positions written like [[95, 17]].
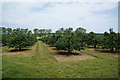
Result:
[[61, 31], [70, 41], [110, 40], [92, 39], [36, 31], [80, 30], [68, 30]]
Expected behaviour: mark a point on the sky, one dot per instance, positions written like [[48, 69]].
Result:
[[93, 16]]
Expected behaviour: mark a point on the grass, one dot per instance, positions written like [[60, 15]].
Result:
[[3, 49], [43, 65]]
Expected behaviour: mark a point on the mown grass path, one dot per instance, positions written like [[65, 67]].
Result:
[[43, 65]]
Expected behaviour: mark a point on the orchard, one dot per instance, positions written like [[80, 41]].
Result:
[[63, 39]]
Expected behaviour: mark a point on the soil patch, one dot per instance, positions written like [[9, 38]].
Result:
[[23, 52], [64, 56], [12, 53], [91, 49], [116, 55]]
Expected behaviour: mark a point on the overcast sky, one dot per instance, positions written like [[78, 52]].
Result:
[[93, 16]]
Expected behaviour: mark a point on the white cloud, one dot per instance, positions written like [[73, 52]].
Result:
[[56, 15], [59, 0]]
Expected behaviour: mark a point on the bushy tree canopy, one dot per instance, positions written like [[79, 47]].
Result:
[[64, 39], [71, 41], [110, 40], [17, 38]]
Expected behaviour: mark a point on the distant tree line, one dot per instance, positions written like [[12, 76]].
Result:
[[63, 39], [40, 32]]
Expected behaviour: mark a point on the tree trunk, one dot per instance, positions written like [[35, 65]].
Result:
[[112, 49], [69, 51], [19, 48], [94, 46]]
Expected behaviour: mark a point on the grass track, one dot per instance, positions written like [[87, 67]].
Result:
[[43, 65]]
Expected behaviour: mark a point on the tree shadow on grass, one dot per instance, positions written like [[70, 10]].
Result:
[[18, 50], [50, 45], [107, 51], [67, 53]]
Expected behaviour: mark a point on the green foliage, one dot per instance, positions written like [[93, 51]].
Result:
[[61, 30], [17, 38], [65, 43], [92, 39], [71, 41], [110, 40], [36, 31], [118, 42], [21, 41], [5, 34], [66, 39], [41, 32], [80, 37], [4, 39], [68, 30], [80, 30], [52, 39]]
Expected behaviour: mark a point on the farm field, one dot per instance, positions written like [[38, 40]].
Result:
[[59, 39], [39, 62]]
